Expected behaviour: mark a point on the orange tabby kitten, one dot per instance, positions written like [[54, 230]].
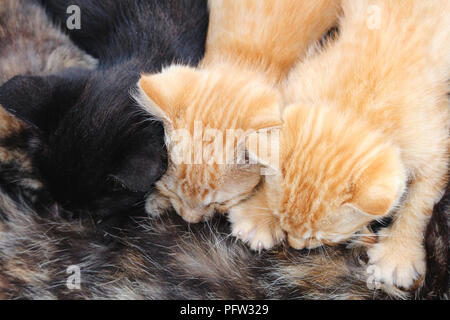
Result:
[[250, 49], [366, 134]]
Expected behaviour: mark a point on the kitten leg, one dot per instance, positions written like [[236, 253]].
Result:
[[399, 256], [254, 223]]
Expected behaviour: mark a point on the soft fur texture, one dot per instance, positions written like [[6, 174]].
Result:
[[31, 44], [437, 245], [366, 135], [248, 53], [269, 36], [165, 258], [155, 258], [95, 149]]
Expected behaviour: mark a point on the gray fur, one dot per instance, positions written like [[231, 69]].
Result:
[[31, 44]]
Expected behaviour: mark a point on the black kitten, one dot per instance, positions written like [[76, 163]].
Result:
[[96, 150], [156, 31]]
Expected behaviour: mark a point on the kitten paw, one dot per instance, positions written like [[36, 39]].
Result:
[[156, 204], [258, 231], [300, 243], [397, 265]]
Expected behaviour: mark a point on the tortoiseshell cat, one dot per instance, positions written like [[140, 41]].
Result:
[[366, 135], [249, 51]]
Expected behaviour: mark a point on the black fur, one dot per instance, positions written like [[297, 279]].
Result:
[[437, 245], [96, 150], [156, 31]]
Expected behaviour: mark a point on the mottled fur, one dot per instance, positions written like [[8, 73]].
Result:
[[249, 50], [31, 44], [155, 32], [366, 135], [269, 36], [165, 258], [94, 148]]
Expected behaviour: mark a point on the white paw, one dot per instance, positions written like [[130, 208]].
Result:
[[258, 234], [156, 204], [398, 266], [300, 243]]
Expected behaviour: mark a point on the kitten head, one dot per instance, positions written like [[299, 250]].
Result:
[[338, 175], [92, 147], [208, 114]]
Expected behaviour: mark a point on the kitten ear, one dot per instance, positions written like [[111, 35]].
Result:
[[381, 184], [27, 97], [262, 144], [41, 101], [263, 147], [158, 93]]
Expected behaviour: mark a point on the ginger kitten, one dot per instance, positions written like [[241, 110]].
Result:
[[366, 135], [250, 48]]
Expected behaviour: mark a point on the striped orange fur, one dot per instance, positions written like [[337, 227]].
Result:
[[250, 49], [366, 135]]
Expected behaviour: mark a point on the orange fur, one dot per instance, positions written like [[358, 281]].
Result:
[[250, 48], [368, 118], [196, 190], [270, 36]]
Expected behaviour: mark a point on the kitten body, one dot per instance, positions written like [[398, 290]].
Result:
[[90, 135], [29, 44], [366, 135], [254, 34], [249, 51], [154, 32]]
